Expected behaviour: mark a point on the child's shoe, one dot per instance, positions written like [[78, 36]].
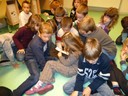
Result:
[[45, 88]]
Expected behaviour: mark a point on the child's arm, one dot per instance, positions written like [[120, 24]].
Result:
[[74, 93], [87, 91]]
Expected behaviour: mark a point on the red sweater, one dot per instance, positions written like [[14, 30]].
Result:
[[23, 36]]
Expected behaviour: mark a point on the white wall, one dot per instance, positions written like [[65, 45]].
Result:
[[103, 4]]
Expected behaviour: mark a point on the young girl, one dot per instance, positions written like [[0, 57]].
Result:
[[24, 35], [36, 57], [109, 19], [25, 13], [75, 4], [66, 66], [124, 33], [7, 56]]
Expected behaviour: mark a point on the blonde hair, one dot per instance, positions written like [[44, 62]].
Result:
[[92, 49], [72, 42], [45, 28], [53, 24], [87, 24], [82, 9], [113, 13], [66, 22]]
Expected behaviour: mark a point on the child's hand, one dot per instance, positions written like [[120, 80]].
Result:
[[87, 91], [15, 66], [21, 51], [59, 54], [75, 93], [123, 55], [46, 14]]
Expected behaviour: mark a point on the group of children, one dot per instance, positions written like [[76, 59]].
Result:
[[90, 51]]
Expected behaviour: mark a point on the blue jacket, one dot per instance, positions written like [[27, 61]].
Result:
[[99, 72]]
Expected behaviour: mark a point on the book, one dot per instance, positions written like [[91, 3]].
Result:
[[62, 51]]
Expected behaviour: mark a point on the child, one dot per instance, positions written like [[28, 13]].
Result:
[[66, 26], [58, 16], [75, 4], [65, 66], [93, 67], [109, 19], [6, 44], [25, 14], [25, 34], [124, 33], [81, 12], [87, 28], [36, 57], [124, 54]]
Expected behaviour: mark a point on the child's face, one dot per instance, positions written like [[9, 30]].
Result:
[[126, 49], [45, 37], [76, 3], [84, 33], [79, 17], [58, 19], [36, 27], [66, 29], [106, 19], [26, 8], [92, 61]]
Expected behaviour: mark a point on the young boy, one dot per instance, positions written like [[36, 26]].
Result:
[[93, 67], [7, 56], [87, 28], [66, 26], [25, 14]]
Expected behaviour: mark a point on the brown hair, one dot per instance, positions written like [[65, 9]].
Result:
[[59, 12], [87, 24], [72, 42], [66, 22], [45, 28], [33, 21], [124, 23], [113, 14], [53, 24], [54, 4], [25, 1], [82, 9], [85, 1], [92, 49]]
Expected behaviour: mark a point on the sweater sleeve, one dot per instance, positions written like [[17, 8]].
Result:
[[17, 37], [102, 77], [80, 76]]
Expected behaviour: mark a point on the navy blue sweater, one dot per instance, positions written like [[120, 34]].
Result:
[[36, 51], [99, 72]]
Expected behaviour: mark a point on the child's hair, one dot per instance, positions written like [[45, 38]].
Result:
[[124, 23], [53, 24], [87, 24], [66, 22], [85, 1], [33, 21], [125, 43], [82, 9], [54, 4], [5, 91], [92, 49], [45, 28], [59, 12], [113, 14], [25, 1], [72, 42]]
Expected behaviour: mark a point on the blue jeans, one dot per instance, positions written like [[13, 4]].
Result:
[[103, 90], [31, 80]]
